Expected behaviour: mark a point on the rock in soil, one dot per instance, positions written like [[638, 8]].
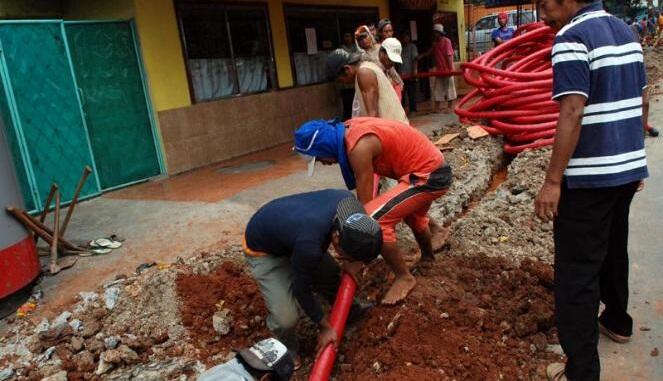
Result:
[[200, 295], [503, 223]]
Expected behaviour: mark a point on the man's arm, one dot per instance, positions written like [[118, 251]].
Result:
[[571, 111], [305, 260], [361, 160], [368, 85]]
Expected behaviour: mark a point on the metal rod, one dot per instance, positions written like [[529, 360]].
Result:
[[86, 172], [54, 245], [49, 200], [156, 135]]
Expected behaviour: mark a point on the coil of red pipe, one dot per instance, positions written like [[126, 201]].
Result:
[[513, 87]]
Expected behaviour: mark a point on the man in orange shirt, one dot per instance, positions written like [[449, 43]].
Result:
[[390, 149]]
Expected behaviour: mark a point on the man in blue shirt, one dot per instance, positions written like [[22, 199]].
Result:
[[286, 244], [597, 164], [503, 33]]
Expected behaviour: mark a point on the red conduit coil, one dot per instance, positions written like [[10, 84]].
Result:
[[513, 88], [337, 317]]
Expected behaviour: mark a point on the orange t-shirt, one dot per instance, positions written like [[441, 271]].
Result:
[[405, 150]]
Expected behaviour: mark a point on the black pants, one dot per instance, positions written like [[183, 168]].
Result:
[[591, 266], [347, 97], [410, 90]]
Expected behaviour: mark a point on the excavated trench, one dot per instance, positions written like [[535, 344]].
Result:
[[471, 316]]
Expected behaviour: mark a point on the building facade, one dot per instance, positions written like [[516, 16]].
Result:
[[226, 78]]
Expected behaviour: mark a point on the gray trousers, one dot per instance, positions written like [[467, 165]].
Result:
[[274, 276]]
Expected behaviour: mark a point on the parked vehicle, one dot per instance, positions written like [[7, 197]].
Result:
[[479, 35]]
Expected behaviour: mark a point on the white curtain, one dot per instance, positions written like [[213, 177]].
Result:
[[214, 78], [310, 68]]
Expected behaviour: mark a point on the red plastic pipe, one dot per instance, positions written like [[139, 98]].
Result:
[[513, 86], [337, 318]]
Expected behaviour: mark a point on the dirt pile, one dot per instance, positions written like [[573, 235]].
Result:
[[469, 318], [503, 223], [128, 329], [230, 298]]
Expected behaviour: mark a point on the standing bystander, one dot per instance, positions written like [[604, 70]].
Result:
[[597, 164], [504, 32], [442, 88], [409, 71], [347, 90]]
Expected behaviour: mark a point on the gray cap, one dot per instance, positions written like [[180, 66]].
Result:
[[361, 236], [337, 59], [382, 23]]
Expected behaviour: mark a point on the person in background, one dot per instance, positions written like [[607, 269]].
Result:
[[374, 94], [385, 29], [442, 88], [598, 162], [390, 55], [409, 71], [367, 43], [504, 32], [347, 90], [635, 28], [348, 43]]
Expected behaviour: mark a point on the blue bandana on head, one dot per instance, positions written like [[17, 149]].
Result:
[[325, 139]]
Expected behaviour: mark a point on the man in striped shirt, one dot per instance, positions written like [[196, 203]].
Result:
[[597, 164]]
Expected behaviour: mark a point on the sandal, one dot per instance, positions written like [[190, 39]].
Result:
[[104, 243], [95, 251]]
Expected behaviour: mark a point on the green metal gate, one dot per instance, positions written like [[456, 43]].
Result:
[[108, 74], [73, 95]]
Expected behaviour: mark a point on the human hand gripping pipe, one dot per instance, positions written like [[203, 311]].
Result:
[[338, 316]]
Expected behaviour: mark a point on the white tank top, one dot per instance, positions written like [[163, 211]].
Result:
[[389, 107]]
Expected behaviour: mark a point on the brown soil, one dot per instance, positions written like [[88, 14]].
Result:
[[475, 318], [199, 295], [654, 64]]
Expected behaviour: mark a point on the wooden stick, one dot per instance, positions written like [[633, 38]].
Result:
[[29, 224], [47, 206], [42, 230], [86, 172], [56, 228]]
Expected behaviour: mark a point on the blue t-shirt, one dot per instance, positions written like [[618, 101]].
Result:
[[503, 33], [298, 226], [596, 56]]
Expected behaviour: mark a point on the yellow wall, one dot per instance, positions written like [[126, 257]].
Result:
[[162, 53], [456, 6], [99, 9]]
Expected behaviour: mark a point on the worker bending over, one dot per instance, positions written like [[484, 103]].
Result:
[[390, 149], [374, 93], [285, 247]]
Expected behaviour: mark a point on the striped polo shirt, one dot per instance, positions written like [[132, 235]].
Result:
[[595, 55]]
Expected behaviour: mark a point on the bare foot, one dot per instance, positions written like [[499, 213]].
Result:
[[439, 238], [399, 289]]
